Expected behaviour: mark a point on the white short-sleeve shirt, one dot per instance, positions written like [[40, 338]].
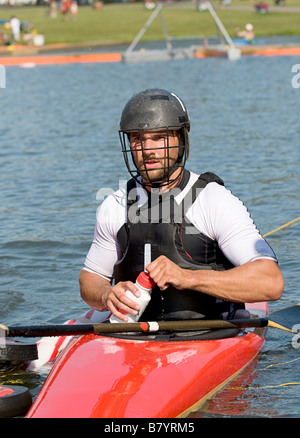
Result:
[[216, 212]]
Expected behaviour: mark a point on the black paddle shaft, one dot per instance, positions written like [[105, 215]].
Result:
[[83, 329]]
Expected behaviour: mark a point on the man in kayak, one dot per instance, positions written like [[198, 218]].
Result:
[[208, 258], [247, 34]]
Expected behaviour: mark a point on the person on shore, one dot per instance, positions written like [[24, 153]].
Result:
[[52, 8], [74, 9], [4, 40], [15, 25], [65, 8], [208, 258], [148, 4]]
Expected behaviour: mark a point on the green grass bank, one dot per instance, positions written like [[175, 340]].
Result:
[[120, 22]]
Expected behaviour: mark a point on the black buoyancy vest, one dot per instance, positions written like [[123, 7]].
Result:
[[171, 234]]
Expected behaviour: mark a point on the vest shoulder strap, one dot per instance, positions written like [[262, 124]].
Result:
[[130, 185], [211, 177]]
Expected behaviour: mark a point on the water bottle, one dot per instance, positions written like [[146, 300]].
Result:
[[145, 285]]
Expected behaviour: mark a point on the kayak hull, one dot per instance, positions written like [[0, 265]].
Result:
[[113, 377]]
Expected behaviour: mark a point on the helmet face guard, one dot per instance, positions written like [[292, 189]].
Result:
[[155, 110]]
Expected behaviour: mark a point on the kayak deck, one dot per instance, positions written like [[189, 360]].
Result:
[[112, 377]]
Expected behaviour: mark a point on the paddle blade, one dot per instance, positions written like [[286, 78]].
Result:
[[287, 317]]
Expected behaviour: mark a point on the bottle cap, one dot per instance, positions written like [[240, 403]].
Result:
[[145, 281]]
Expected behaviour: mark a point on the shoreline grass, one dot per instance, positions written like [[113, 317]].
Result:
[[120, 22]]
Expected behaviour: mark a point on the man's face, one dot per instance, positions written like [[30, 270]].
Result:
[[154, 153]]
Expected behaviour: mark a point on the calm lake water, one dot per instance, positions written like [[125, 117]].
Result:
[[59, 145]]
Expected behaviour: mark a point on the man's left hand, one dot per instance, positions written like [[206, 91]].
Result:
[[165, 273]]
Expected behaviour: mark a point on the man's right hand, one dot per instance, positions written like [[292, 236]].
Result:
[[119, 303]]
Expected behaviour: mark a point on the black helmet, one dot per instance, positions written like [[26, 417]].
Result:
[[155, 110]]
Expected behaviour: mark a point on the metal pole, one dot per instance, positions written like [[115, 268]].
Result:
[[144, 28], [219, 24], [167, 38]]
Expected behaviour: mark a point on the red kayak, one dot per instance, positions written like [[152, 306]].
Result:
[[118, 376]]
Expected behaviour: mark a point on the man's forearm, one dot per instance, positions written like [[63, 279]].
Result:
[[260, 280], [94, 290]]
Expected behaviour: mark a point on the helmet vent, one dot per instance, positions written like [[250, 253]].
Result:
[[143, 126], [159, 97]]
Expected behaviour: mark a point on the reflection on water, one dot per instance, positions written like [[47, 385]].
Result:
[[59, 146], [268, 387]]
